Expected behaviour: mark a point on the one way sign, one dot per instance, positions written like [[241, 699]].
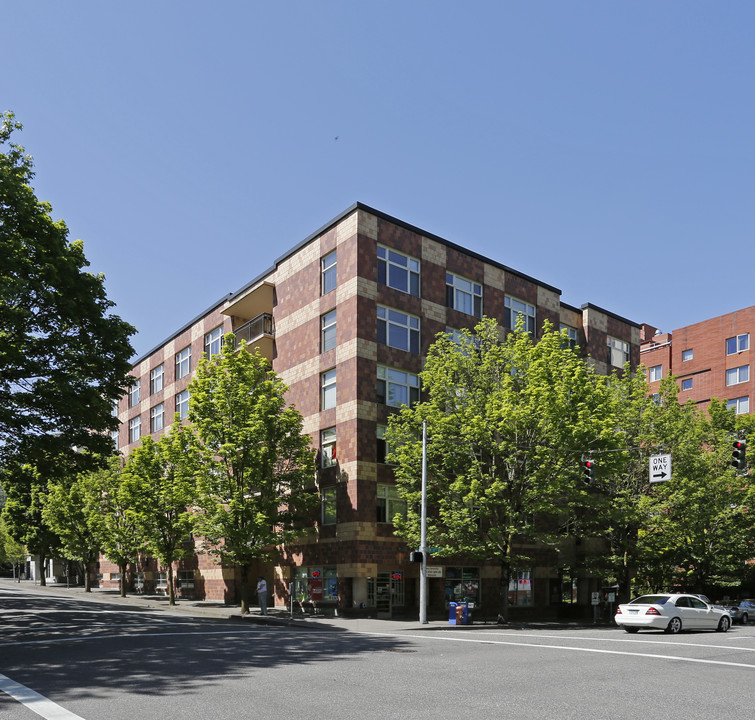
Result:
[[660, 468]]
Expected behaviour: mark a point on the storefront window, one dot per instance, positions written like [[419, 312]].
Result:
[[520, 588], [462, 585], [316, 584], [568, 590]]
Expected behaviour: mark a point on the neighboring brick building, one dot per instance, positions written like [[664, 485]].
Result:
[[345, 317], [710, 359]]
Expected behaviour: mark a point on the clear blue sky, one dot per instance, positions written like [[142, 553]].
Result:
[[604, 148]]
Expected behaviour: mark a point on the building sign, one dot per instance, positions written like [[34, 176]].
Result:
[[434, 571]]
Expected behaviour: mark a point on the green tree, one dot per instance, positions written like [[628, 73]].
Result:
[[508, 421], [164, 492], [110, 511], [11, 551], [64, 358], [254, 461]]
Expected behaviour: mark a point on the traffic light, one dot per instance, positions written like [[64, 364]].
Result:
[[738, 457], [588, 470], [415, 556]]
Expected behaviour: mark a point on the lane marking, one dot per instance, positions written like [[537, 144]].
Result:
[[34, 701]]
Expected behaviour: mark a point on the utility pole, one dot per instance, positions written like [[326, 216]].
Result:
[[423, 532]]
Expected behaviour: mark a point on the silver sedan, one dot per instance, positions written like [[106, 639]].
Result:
[[671, 613]]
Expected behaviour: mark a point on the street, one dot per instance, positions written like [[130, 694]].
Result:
[[68, 657]]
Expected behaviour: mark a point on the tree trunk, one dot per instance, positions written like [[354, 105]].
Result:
[[503, 599], [42, 568], [244, 590], [171, 589], [123, 568]]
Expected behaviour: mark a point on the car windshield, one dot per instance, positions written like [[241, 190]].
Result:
[[650, 600]]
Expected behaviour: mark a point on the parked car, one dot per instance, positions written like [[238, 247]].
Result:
[[671, 613], [742, 611]]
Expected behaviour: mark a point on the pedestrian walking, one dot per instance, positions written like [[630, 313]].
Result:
[[262, 594]]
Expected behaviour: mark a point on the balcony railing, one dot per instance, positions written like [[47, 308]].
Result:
[[257, 327]]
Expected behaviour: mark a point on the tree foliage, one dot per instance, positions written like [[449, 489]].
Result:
[[254, 461], [64, 358]]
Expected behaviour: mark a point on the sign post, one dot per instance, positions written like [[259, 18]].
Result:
[[660, 468]]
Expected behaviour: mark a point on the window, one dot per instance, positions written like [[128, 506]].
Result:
[[328, 270], [156, 379], [618, 352], [462, 584], [657, 399], [213, 342], [571, 334], [741, 406], [655, 373], [328, 503], [389, 504], [328, 336], [737, 375], [328, 390], [134, 429], [161, 581], [157, 418], [463, 295], [183, 363], [328, 447], [737, 344], [687, 355], [398, 271], [687, 384], [516, 309], [396, 388], [398, 330], [383, 449], [313, 584], [520, 588], [135, 393], [182, 405], [114, 438]]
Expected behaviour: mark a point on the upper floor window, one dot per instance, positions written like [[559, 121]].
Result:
[[328, 272], [737, 375], [738, 343], [571, 334], [134, 429], [328, 330], [463, 295], [687, 355], [516, 309], [618, 352], [157, 418], [213, 342], [328, 503], [396, 387], [135, 393], [740, 406], [328, 447], [183, 363], [328, 389], [687, 384], [655, 373], [398, 271], [156, 376], [397, 329], [389, 504], [182, 404]]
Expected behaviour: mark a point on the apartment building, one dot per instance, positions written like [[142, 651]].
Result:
[[710, 359], [345, 317]]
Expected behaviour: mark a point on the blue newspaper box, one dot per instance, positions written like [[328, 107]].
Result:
[[457, 613]]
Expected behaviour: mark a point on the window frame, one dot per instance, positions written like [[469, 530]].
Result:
[[389, 379], [157, 417], [389, 325], [686, 384], [687, 355], [572, 334], [180, 402], [329, 505], [392, 504], [157, 379], [328, 331], [214, 336], [389, 260], [134, 429], [329, 272], [183, 357], [512, 313], [618, 345], [740, 371], [135, 393], [458, 286], [737, 344], [655, 373], [740, 405], [328, 386], [328, 447]]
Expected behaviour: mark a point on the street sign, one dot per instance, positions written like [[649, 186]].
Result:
[[660, 468]]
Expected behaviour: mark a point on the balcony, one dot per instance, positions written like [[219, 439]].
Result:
[[251, 303], [259, 333]]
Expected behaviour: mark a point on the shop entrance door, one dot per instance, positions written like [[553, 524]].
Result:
[[383, 595]]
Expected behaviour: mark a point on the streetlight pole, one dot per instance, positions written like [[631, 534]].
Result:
[[423, 532]]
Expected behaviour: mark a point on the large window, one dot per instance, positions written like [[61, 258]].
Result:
[[618, 352], [183, 363], [156, 377], [740, 406], [213, 342], [571, 334], [328, 505], [397, 329], [328, 447], [313, 584], [135, 393], [182, 404], [463, 295], [396, 387], [737, 375], [134, 429], [328, 331], [389, 504], [328, 389], [737, 344], [655, 373], [516, 309], [157, 418], [462, 584], [328, 269], [520, 588], [398, 271]]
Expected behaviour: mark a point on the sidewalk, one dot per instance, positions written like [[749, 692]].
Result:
[[278, 616]]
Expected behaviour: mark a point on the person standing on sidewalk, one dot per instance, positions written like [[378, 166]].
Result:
[[262, 594]]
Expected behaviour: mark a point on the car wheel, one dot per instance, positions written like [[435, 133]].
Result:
[[743, 619], [723, 626], [674, 625], [630, 629]]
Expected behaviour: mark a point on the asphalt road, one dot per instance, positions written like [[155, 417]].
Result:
[[66, 658]]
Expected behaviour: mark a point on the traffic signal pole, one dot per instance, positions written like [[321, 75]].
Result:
[[423, 532]]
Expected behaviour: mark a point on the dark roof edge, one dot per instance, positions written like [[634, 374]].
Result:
[[183, 328], [573, 308], [590, 306]]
